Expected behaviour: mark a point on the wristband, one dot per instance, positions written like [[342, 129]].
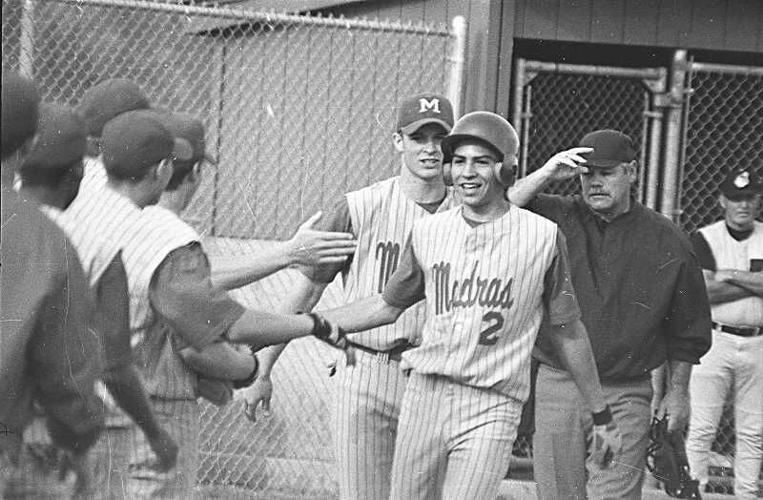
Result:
[[603, 417], [246, 382], [321, 327]]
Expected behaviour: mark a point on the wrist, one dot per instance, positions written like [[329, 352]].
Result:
[[246, 382], [602, 417], [321, 327]]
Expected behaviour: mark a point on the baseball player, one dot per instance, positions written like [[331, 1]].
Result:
[[173, 304], [380, 216], [51, 174], [730, 252], [490, 273], [47, 353]]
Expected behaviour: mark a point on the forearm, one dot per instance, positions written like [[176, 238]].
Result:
[[268, 358], [659, 377], [219, 360], [261, 329], [750, 281], [528, 187], [679, 374], [234, 272], [125, 386], [576, 355], [363, 314], [719, 292]]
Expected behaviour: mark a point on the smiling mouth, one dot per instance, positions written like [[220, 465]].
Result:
[[469, 186]]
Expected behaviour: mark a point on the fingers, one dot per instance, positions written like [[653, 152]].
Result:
[[266, 407], [309, 223], [250, 410], [331, 236], [579, 150]]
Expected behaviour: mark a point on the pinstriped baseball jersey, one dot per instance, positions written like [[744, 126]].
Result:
[[164, 372], [485, 289], [382, 216], [98, 224], [732, 254], [94, 175]]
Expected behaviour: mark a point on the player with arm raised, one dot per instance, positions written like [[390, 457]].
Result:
[[490, 273]]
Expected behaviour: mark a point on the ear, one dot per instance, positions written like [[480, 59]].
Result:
[[164, 171], [723, 201], [505, 173], [397, 140], [632, 170]]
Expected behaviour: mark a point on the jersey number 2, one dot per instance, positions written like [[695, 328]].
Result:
[[488, 336]]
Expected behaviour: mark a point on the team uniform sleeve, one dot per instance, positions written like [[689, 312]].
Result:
[[336, 219], [688, 323], [112, 316], [406, 286], [66, 358], [182, 293], [558, 293], [703, 252]]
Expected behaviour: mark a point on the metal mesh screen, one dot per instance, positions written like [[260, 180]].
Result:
[[564, 107], [724, 132], [298, 110]]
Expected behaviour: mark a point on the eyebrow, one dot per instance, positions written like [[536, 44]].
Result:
[[476, 157]]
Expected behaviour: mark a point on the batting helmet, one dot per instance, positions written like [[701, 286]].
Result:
[[489, 129]]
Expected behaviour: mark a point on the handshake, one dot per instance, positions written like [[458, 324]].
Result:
[[332, 335]]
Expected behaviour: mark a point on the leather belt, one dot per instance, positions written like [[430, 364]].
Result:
[[750, 331], [394, 354]]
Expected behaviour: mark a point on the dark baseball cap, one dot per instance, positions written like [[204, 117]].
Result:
[[610, 148], [134, 141], [62, 139], [740, 184], [186, 126], [20, 111], [108, 99], [419, 110]]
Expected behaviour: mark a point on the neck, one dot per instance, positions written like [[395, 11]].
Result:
[[174, 201], [132, 191], [483, 213], [45, 196], [739, 227], [421, 190]]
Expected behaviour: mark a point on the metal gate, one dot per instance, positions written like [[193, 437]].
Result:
[[556, 104]]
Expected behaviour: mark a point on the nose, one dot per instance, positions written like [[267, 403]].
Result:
[[469, 170], [431, 146]]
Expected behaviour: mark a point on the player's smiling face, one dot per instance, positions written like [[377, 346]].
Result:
[[421, 150], [472, 169]]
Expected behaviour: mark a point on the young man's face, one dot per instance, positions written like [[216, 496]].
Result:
[[472, 169], [421, 150], [740, 212], [607, 190]]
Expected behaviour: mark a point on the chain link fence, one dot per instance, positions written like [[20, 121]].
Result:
[[723, 132], [298, 110]]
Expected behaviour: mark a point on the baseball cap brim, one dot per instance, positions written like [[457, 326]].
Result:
[[414, 126], [603, 163]]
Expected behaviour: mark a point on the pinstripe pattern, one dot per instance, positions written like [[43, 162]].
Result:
[[480, 279], [159, 233], [732, 254], [368, 405], [94, 175], [455, 440], [484, 288]]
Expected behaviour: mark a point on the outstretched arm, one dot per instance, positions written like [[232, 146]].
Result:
[[308, 247], [562, 166], [363, 314]]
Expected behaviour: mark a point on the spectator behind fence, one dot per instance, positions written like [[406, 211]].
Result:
[[643, 302], [730, 252], [51, 174], [47, 353]]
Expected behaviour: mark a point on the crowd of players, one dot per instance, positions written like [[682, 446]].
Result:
[[115, 323]]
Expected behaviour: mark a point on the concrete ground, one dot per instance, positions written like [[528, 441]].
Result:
[[526, 490]]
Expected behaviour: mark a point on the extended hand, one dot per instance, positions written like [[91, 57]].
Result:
[[165, 449], [567, 164], [607, 443], [310, 247], [259, 392], [676, 405]]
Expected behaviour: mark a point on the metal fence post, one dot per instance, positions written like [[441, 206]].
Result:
[[457, 59], [26, 42], [670, 181]]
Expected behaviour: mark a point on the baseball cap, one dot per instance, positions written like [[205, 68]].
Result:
[[185, 126], [740, 184], [419, 110], [107, 99], [134, 141], [62, 138], [20, 111], [610, 148]]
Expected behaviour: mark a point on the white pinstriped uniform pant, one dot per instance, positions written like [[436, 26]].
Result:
[[454, 441], [365, 425]]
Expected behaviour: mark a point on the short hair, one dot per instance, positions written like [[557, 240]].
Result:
[[34, 175]]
